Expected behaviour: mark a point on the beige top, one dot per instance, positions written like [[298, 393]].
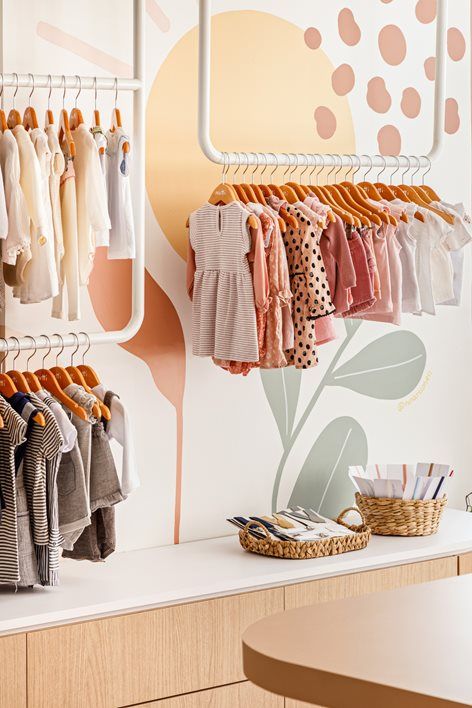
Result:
[[408, 647], [92, 208]]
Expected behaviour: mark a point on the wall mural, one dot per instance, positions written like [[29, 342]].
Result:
[[389, 367]]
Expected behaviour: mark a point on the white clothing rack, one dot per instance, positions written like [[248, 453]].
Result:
[[302, 159], [136, 85]]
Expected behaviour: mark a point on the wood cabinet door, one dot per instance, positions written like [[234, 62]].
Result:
[[144, 656], [355, 584], [13, 671], [465, 564], [238, 695]]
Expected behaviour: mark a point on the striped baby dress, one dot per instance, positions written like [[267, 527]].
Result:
[[224, 316]]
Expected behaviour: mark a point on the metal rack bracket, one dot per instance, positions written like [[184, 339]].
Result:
[[271, 158]]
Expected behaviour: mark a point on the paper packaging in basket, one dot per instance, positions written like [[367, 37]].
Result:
[[424, 480]]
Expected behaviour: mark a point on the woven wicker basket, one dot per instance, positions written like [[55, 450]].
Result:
[[401, 517], [299, 550]]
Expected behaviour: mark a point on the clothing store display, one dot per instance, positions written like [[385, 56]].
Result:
[[266, 292], [59, 482]]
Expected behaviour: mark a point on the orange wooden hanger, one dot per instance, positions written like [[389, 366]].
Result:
[[116, 118], [64, 134], [76, 118], [64, 378], [33, 381], [14, 382], [50, 383], [30, 120], [3, 118], [78, 378], [49, 117], [14, 117]]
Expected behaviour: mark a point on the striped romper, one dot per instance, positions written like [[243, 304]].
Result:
[[224, 316]]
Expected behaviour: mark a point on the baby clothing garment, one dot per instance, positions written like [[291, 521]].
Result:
[[41, 282], [48, 555], [18, 236], [395, 267], [411, 301], [362, 293], [309, 285], [56, 171], [119, 429], [102, 238], [338, 263], [120, 207], [69, 272], [92, 208], [219, 283], [279, 330], [31, 186], [458, 238], [74, 473], [11, 435], [104, 493], [68, 432]]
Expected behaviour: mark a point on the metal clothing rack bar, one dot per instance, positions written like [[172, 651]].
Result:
[[271, 158], [136, 85], [56, 81]]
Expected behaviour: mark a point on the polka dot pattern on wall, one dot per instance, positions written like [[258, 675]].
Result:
[[349, 30], [378, 98], [455, 44], [452, 119], [325, 121], [312, 38], [389, 140], [425, 11], [343, 79], [392, 45], [430, 68], [411, 102]]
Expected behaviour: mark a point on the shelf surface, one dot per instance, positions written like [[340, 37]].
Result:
[[154, 577]]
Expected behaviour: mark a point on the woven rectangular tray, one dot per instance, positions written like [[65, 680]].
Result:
[[300, 550]]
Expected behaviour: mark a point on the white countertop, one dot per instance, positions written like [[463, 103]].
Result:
[[167, 575]]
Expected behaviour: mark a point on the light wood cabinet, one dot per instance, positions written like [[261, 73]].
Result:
[[465, 564], [144, 656], [13, 671], [356, 584], [238, 695]]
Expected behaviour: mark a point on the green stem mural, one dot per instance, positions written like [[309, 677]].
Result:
[[388, 368]]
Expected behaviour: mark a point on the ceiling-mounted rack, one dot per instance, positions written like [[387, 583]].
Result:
[[274, 158], [135, 84]]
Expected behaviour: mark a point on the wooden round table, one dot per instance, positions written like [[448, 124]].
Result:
[[406, 648]]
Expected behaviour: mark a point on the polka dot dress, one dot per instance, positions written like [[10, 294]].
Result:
[[309, 285]]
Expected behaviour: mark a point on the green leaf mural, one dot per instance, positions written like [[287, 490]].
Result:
[[282, 388], [323, 483], [388, 368]]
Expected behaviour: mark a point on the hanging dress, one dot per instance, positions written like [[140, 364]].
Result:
[[220, 284]]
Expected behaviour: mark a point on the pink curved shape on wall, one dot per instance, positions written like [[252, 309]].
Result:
[[160, 341]]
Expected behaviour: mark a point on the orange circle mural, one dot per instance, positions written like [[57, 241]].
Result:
[[258, 103]]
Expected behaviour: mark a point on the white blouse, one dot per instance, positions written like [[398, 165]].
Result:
[[92, 211]]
